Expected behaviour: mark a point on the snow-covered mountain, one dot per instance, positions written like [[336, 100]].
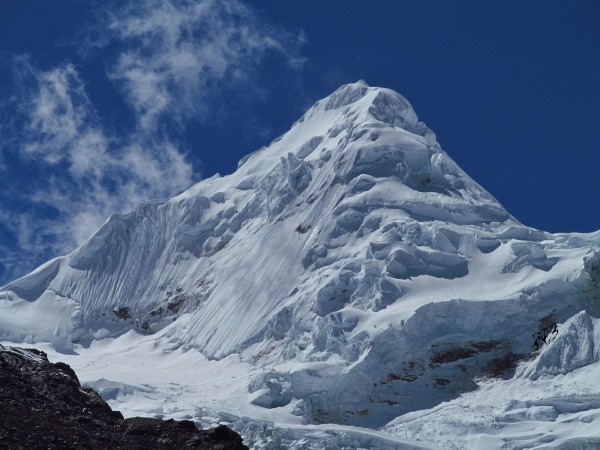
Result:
[[347, 286]]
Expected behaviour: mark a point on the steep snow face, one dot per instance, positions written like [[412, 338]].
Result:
[[351, 265]]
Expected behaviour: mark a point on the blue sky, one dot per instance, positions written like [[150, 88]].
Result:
[[104, 105]]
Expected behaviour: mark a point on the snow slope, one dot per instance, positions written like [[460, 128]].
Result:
[[345, 278]]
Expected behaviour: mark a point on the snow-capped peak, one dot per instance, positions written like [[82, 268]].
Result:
[[352, 178], [352, 106], [373, 132], [351, 268]]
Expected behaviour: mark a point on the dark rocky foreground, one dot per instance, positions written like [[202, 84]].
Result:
[[42, 405]]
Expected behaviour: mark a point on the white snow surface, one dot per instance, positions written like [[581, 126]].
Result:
[[347, 287]]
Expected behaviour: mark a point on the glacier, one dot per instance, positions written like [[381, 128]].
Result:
[[349, 286]]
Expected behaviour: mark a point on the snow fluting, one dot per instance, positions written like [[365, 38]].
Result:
[[346, 282]]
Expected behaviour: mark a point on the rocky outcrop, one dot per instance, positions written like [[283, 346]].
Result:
[[42, 405]]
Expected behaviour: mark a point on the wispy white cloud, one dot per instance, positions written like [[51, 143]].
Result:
[[182, 54], [60, 120], [173, 60], [88, 174]]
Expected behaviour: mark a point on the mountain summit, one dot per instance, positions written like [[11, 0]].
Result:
[[351, 269]]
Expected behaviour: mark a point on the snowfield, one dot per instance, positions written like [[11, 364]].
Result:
[[349, 286]]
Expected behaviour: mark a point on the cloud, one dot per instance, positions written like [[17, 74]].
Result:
[[171, 61], [181, 54], [60, 124], [88, 174]]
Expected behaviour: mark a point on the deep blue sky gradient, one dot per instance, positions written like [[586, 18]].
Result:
[[510, 87]]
